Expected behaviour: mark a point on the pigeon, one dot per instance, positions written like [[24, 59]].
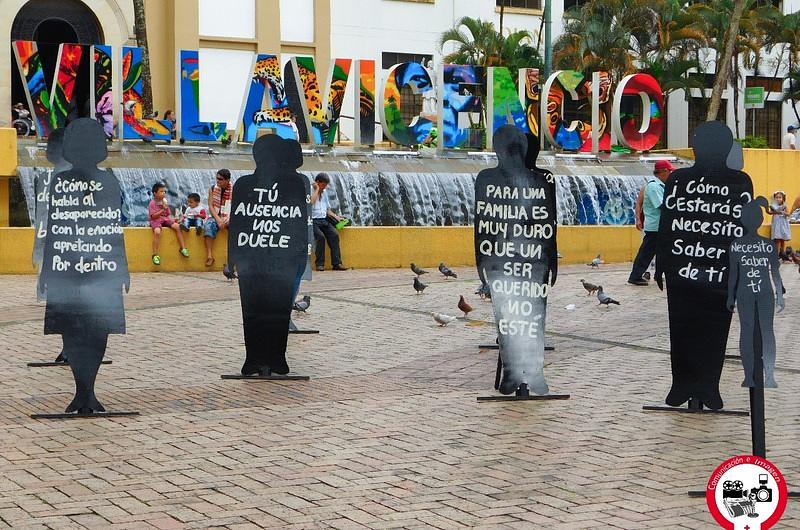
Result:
[[484, 292], [418, 285], [228, 273], [443, 319], [303, 304], [604, 298], [590, 287], [416, 270], [595, 262], [464, 307], [447, 272]]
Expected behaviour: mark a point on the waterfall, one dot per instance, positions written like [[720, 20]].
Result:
[[382, 198]]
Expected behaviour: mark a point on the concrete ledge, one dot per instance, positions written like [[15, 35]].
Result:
[[362, 247]]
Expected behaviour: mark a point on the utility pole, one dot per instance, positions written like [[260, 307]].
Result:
[[548, 36]]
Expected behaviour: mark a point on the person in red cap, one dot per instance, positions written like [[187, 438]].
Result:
[[652, 197]]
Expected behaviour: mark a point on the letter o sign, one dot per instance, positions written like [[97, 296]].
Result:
[[645, 136]]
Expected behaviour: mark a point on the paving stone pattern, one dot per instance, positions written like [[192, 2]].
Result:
[[388, 433]]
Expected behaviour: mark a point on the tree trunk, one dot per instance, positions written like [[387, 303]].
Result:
[[724, 62], [502, 12], [140, 26], [735, 83]]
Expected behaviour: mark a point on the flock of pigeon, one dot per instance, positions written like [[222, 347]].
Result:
[[483, 291], [463, 306], [597, 290]]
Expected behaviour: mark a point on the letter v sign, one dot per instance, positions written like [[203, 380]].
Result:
[[49, 107]]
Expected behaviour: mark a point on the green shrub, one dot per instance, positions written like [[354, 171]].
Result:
[[754, 142]]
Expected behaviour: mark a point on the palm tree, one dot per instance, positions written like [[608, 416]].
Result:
[[792, 92], [140, 27], [594, 39], [476, 42], [725, 19], [784, 31]]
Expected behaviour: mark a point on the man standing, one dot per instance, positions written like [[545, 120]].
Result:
[[321, 215], [652, 197], [789, 139]]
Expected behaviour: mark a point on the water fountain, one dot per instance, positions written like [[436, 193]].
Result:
[[379, 191]]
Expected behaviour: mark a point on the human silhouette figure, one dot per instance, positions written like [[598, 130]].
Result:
[[84, 267], [267, 246], [41, 185], [699, 220], [752, 260], [506, 258]]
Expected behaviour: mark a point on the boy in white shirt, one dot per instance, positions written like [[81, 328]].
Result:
[[194, 214]]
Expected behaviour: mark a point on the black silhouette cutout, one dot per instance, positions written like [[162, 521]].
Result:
[[41, 185], [699, 220], [268, 247], [515, 251], [84, 265], [753, 260]]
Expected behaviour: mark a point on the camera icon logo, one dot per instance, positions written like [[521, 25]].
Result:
[[746, 492]]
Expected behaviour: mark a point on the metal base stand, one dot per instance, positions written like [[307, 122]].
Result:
[[523, 394], [74, 415], [54, 363], [695, 407], [267, 377], [294, 331], [547, 347]]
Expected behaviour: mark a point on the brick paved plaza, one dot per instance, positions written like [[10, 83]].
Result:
[[388, 433]]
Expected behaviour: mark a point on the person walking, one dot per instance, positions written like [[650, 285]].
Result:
[[652, 198]]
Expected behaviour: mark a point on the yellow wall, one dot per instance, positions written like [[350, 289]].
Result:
[[8, 152], [362, 247], [8, 168]]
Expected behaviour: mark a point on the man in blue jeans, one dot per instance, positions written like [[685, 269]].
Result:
[[652, 198], [324, 229]]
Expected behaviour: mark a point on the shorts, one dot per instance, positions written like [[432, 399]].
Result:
[[161, 222], [197, 222], [211, 228]]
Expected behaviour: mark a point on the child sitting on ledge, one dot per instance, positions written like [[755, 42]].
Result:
[[158, 211], [194, 215]]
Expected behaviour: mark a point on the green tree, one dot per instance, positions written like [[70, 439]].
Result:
[[476, 42]]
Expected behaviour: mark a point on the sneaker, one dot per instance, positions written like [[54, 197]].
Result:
[[320, 268], [646, 275], [156, 259], [340, 267], [639, 282], [185, 252]]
